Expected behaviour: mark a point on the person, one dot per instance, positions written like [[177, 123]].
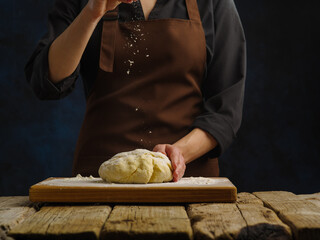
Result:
[[167, 76]]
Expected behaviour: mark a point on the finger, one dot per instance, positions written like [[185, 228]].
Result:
[[160, 148], [177, 161], [174, 155], [178, 173], [180, 170]]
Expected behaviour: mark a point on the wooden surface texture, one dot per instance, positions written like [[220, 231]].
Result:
[[261, 216], [148, 222], [247, 219], [63, 222], [95, 190], [13, 211], [302, 215]]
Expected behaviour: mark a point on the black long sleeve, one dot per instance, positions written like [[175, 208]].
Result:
[[223, 87], [37, 68]]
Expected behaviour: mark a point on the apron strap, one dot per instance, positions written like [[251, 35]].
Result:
[[193, 11], [108, 39]]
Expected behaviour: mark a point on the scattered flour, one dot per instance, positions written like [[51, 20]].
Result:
[[137, 34], [81, 181]]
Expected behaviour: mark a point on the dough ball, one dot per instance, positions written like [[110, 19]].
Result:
[[138, 166]]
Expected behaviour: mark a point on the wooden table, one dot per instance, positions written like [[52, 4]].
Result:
[[261, 215]]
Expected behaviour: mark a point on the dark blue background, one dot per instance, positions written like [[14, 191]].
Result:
[[278, 144]]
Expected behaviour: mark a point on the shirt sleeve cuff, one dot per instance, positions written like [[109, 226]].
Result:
[[219, 129], [46, 89]]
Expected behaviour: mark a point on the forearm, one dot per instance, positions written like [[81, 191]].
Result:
[[195, 144], [66, 51]]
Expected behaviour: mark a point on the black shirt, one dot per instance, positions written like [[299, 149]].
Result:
[[223, 85]]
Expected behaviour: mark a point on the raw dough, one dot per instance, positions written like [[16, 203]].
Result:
[[138, 166]]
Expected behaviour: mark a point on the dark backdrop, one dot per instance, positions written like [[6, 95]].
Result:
[[277, 147]]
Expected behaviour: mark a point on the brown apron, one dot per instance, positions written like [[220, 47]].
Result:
[[147, 90]]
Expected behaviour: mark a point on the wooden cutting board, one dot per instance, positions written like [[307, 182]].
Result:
[[89, 189]]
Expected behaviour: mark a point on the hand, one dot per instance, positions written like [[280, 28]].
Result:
[[99, 7], [176, 157]]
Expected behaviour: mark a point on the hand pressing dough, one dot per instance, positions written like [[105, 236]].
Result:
[[138, 166]]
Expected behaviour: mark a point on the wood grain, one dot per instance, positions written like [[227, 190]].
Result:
[[271, 215], [63, 222], [246, 219], [14, 210], [220, 192], [247, 198], [147, 222], [3, 235], [301, 215], [314, 198], [262, 223], [216, 221]]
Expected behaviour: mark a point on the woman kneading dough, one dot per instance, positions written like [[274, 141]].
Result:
[[166, 76]]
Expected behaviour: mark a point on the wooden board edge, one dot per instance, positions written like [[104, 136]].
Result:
[[71, 194], [132, 195]]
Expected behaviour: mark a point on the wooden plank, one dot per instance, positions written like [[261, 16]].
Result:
[[247, 219], [147, 222], [276, 196], [96, 190], [314, 198], [262, 223], [247, 198], [14, 201], [14, 210], [3, 235], [216, 221], [302, 216], [63, 222]]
